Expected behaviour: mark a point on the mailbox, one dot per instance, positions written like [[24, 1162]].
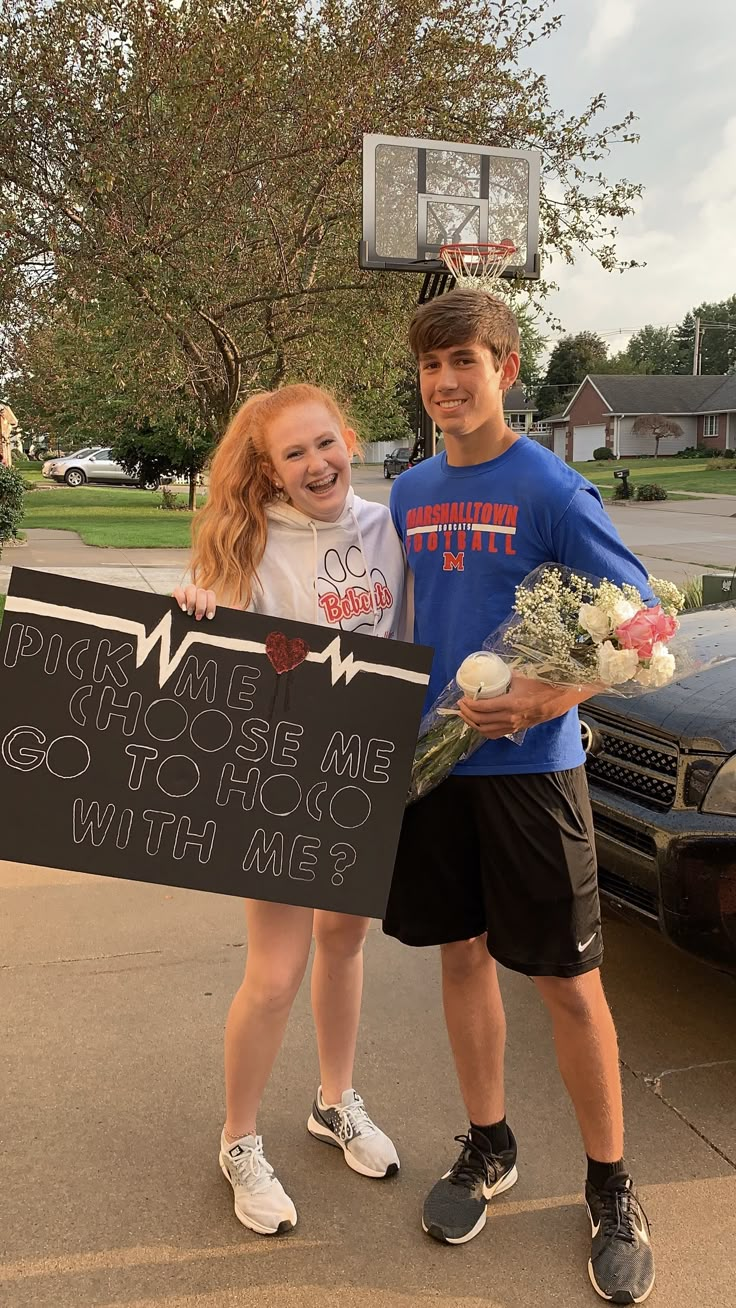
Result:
[[719, 589], [623, 492]]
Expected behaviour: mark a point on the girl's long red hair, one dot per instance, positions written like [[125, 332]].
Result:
[[229, 533]]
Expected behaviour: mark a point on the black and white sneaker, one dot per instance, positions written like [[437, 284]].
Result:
[[367, 1149], [621, 1264], [455, 1208]]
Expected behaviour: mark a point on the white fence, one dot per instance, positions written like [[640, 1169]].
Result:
[[376, 451]]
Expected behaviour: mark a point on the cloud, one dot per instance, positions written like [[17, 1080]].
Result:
[[683, 226], [613, 21], [716, 182]]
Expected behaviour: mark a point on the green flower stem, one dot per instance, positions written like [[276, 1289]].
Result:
[[437, 754]]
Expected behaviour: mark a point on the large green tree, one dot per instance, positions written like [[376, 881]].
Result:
[[718, 339], [569, 363], [200, 162], [654, 350]]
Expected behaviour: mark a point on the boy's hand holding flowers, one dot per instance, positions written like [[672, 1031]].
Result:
[[527, 703]]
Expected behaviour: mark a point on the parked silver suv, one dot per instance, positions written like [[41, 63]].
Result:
[[97, 465], [49, 463]]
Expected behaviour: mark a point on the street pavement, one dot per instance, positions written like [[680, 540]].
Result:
[[114, 996]]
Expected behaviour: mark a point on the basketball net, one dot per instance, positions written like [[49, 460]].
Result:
[[477, 267]]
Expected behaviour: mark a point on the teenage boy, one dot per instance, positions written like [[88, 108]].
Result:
[[498, 864]]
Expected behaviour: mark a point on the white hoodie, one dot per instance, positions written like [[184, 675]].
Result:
[[347, 574]]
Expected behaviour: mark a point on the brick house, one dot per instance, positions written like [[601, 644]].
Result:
[[605, 407]]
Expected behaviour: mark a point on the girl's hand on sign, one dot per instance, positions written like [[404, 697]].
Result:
[[196, 602]]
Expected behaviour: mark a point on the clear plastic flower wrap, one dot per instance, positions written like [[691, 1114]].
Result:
[[568, 629], [445, 739], [572, 629]]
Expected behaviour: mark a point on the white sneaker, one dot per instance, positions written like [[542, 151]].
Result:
[[347, 1124], [261, 1203]]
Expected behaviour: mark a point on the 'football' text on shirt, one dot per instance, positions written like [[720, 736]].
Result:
[[459, 525]]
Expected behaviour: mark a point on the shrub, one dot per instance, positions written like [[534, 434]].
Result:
[[170, 500], [708, 454], [621, 491], [11, 503], [649, 490], [729, 454], [602, 453]]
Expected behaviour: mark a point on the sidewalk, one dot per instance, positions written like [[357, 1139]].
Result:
[[63, 552]]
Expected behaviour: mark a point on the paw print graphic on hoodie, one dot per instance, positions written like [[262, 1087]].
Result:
[[347, 596]]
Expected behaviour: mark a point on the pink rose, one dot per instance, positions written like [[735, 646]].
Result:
[[646, 629]]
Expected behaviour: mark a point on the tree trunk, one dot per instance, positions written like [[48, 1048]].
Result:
[[192, 490]]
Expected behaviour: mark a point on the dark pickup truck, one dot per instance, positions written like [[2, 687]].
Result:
[[662, 776], [395, 462]]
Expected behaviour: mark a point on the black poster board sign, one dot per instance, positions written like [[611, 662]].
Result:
[[245, 755]]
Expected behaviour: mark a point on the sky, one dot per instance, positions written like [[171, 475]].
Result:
[[674, 63]]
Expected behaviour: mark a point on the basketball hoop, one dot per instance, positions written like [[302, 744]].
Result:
[[477, 266]]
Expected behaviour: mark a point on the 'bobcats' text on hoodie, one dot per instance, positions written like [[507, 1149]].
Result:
[[347, 574]]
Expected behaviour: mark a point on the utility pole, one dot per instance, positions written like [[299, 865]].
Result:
[[696, 350]]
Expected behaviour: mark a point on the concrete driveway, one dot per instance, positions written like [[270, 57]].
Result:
[[114, 997]]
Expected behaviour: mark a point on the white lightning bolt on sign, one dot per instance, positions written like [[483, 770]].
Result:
[[340, 665]]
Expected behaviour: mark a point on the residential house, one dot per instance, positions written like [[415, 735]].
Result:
[[518, 410], [8, 425], [605, 407]]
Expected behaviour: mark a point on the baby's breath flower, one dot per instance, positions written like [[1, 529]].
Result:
[[669, 595]]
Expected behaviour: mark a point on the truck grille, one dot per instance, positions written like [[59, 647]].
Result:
[[636, 896], [624, 834], [633, 765]]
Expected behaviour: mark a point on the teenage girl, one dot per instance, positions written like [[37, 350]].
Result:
[[283, 533]]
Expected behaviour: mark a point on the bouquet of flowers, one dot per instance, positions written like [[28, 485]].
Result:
[[568, 629], [572, 629]]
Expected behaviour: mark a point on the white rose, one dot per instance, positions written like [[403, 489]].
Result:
[[616, 665], [621, 611], [660, 669], [595, 622]]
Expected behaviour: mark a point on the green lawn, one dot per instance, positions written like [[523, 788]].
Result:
[[125, 519], [674, 474], [28, 468]]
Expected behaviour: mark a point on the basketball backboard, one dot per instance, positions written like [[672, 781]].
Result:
[[419, 195]]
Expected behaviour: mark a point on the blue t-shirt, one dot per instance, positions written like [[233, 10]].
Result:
[[471, 535]]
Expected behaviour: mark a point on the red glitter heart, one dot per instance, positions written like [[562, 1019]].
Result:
[[285, 654]]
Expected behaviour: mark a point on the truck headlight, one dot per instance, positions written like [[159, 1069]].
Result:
[[720, 796]]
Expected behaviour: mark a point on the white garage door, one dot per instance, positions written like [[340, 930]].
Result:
[[585, 440]]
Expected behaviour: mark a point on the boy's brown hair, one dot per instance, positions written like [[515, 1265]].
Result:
[[463, 317]]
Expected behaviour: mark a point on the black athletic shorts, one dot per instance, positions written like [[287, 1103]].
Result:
[[512, 856]]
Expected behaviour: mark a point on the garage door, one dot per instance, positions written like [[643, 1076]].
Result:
[[585, 440]]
